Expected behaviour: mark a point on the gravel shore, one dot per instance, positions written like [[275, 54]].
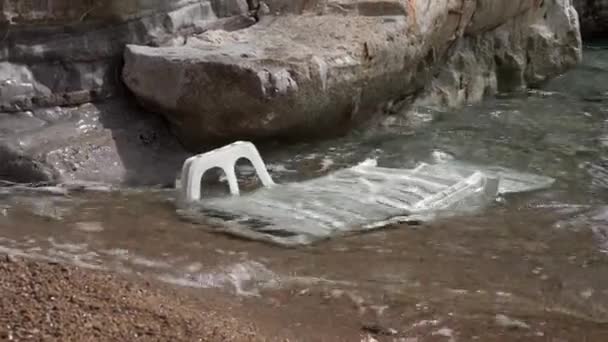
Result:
[[44, 301]]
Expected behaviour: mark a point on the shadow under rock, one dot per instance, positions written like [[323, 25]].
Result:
[[113, 142], [147, 151]]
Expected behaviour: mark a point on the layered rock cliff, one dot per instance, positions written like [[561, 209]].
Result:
[[219, 70]]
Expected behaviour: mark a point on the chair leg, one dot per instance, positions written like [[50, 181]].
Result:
[[225, 158], [232, 181], [184, 180], [193, 191], [258, 164]]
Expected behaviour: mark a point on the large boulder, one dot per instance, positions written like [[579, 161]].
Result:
[[341, 61], [594, 17], [285, 76]]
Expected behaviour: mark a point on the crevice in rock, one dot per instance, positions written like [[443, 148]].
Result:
[[508, 75]]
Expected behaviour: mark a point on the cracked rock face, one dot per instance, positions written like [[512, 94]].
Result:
[[594, 17], [341, 61]]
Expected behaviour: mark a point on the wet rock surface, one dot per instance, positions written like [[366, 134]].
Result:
[[113, 142], [320, 73]]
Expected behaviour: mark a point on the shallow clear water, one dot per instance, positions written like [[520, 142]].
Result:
[[539, 258]]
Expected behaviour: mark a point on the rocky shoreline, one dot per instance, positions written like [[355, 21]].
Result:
[[220, 70]]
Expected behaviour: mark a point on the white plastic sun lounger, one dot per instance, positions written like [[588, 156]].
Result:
[[359, 198]]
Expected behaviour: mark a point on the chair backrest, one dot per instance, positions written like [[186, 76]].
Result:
[[224, 158]]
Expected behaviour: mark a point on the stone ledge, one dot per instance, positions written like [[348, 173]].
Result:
[[284, 75]]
